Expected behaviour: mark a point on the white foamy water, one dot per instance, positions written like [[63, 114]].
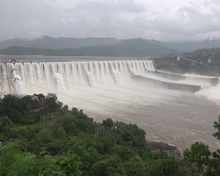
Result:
[[109, 89], [212, 93]]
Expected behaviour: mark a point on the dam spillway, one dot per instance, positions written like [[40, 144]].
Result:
[[59, 75]]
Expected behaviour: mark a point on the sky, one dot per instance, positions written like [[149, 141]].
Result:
[[164, 20]]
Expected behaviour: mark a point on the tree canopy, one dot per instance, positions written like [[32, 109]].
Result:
[[71, 143]]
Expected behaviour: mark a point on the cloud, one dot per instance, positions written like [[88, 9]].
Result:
[[189, 22], [217, 2], [112, 18]]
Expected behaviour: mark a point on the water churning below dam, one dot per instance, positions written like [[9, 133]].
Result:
[[174, 109]]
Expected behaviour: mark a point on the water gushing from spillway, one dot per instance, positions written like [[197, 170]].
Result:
[[29, 78], [59, 75]]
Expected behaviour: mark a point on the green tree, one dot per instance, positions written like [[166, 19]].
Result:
[[201, 160], [51, 103], [108, 123], [107, 167], [12, 107], [198, 153], [5, 124], [69, 165], [217, 126]]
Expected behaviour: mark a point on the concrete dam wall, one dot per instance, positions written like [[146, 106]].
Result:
[[175, 77], [168, 85], [29, 78]]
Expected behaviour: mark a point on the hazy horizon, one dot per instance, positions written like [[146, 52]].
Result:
[[57, 37]]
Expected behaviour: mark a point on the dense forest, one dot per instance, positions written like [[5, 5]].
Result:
[[42, 137]]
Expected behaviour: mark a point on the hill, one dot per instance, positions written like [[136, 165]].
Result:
[[132, 47], [47, 42], [109, 44]]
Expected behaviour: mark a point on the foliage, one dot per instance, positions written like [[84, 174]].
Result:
[[201, 159], [81, 147], [217, 126], [5, 124]]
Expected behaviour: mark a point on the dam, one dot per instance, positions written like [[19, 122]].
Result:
[[91, 73], [171, 108]]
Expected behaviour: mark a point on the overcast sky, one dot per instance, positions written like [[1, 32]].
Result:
[[151, 19]]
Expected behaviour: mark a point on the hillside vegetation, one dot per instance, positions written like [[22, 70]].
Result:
[[42, 137]]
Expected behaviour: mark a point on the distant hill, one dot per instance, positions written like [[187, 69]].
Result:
[[134, 47], [47, 42], [100, 47]]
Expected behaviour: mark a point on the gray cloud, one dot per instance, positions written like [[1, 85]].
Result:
[[113, 18], [217, 2], [189, 22], [110, 7]]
